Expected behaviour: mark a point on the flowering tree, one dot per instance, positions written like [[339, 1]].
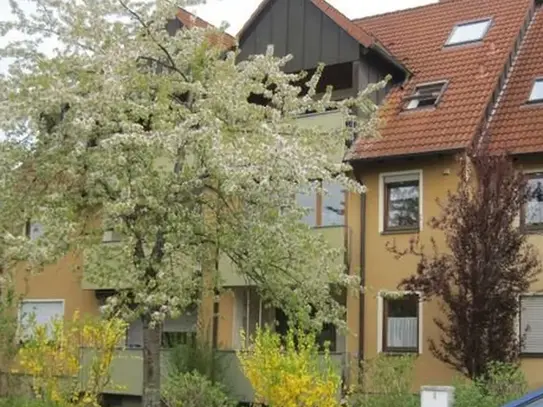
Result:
[[156, 136]]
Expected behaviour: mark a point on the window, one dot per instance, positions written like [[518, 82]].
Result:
[[333, 205], [39, 312], [425, 95], [176, 331], [469, 32], [401, 202], [172, 339], [533, 211], [34, 230], [323, 209], [400, 324], [308, 201], [110, 236], [536, 95], [327, 338], [531, 324]]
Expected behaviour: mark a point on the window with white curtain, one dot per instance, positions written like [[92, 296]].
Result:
[[39, 313], [400, 325], [531, 324]]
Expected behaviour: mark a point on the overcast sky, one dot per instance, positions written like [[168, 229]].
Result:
[[236, 12]]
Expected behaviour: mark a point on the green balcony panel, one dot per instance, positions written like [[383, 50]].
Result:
[[229, 276], [337, 236], [106, 259], [127, 372], [239, 387], [326, 121]]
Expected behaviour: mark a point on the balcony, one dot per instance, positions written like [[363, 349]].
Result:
[[326, 121], [338, 237], [106, 260], [127, 373]]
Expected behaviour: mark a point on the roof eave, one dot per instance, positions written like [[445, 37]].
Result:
[[364, 160], [382, 51]]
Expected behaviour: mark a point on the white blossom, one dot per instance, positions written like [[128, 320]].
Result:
[[127, 128]]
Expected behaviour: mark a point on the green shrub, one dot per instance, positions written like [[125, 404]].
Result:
[[385, 382], [26, 402], [193, 390], [503, 383], [196, 356]]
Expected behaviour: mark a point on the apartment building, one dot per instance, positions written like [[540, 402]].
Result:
[[459, 68]]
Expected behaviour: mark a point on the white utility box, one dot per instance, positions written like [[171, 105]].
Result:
[[436, 396]]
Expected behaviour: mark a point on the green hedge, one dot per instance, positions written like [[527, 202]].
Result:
[[25, 402]]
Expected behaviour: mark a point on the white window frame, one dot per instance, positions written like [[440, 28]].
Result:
[[538, 80], [413, 100], [380, 316], [27, 229], [519, 323], [33, 301], [417, 176], [238, 311], [488, 20], [528, 172]]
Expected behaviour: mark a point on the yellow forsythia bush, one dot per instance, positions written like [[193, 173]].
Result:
[[53, 357], [290, 373]]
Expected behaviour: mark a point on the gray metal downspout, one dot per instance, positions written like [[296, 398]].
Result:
[[362, 276]]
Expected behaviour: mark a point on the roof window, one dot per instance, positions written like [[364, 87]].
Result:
[[425, 95], [472, 31], [536, 95]]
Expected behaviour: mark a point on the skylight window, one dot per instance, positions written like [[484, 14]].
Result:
[[425, 95], [536, 95], [469, 32]]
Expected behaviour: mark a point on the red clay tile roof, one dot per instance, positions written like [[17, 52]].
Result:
[[189, 20], [417, 37], [517, 127]]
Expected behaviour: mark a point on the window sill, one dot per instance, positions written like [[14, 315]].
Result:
[[531, 355], [533, 230], [400, 231], [414, 352], [471, 43], [419, 109], [328, 226]]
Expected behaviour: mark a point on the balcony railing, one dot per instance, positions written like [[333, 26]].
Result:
[[338, 237], [127, 372]]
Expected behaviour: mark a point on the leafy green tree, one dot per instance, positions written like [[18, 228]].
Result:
[[154, 136]]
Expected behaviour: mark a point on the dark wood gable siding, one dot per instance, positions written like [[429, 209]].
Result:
[[299, 28]]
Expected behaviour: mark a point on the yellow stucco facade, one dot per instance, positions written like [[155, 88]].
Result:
[[367, 255], [61, 281], [383, 272]]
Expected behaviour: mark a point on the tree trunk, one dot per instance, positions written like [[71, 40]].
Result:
[[151, 363]]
